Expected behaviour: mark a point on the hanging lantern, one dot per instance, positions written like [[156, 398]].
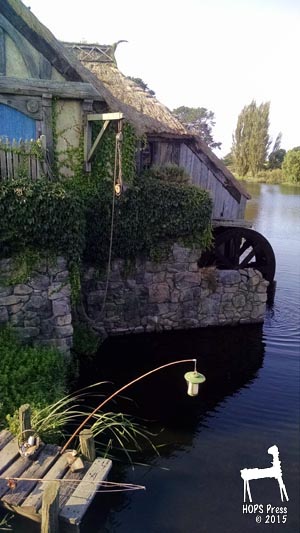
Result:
[[194, 379]]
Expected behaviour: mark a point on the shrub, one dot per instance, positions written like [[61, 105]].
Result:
[[291, 166], [34, 375], [146, 214], [170, 173], [40, 215]]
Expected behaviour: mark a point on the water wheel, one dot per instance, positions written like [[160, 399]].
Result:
[[236, 248]]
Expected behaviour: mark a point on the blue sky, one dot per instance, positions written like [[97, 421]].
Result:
[[198, 53]]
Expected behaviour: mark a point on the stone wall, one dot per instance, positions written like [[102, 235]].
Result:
[[40, 309], [173, 294]]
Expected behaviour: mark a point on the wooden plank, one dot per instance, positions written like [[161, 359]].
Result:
[[15, 470], [50, 508], [3, 164], [103, 116], [76, 506], [9, 454], [68, 488], [37, 87], [38, 469], [97, 140], [5, 437], [33, 502], [239, 222], [9, 164]]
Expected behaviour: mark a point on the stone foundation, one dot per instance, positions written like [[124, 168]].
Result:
[[173, 294], [40, 309]]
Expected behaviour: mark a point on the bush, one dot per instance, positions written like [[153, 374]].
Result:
[[145, 215], [170, 173], [291, 166], [40, 215], [34, 375]]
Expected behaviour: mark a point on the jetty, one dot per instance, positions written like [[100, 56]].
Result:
[[49, 487]]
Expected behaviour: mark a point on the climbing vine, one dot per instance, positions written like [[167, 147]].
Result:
[[103, 162]]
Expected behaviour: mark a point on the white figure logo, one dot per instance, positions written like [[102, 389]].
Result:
[[258, 473]]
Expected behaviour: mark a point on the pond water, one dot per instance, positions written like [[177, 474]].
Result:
[[249, 402]]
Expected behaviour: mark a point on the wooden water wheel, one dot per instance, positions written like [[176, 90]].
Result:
[[240, 247]]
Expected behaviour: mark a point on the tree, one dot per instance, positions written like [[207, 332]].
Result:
[[198, 120], [276, 158], [291, 165], [251, 138]]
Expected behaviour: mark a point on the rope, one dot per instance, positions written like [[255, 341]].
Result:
[[117, 189], [12, 482]]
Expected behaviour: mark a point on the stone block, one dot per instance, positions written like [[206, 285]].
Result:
[[26, 334], [177, 267], [39, 282], [12, 309], [32, 322], [13, 299], [64, 331], [47, 327], [36, 302], [22, 289], [159, 293], [63, 320], [229, 277], [239, 300], [61, 307], [58, 290], [6, 291], [62, 276], [185, 280], [18, 320], [3, 315]]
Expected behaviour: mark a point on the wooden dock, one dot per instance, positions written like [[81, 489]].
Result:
[[22, 492]]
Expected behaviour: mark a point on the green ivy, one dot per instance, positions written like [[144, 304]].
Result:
[[146, 215], [103, 161], [40, 216], [35, 375]]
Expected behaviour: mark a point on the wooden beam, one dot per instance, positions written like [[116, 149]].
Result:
[[87, 445], [41, 38], [104, 116], [97, 140], [2, 53], [50, 508], [25, 421], [76, 506], [37, 87]]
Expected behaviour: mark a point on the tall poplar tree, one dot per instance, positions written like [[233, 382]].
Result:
[[251, 139]]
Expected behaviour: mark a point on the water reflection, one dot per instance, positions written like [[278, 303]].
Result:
[[229, 357]]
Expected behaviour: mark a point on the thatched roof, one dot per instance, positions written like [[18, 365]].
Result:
[[141, 108]]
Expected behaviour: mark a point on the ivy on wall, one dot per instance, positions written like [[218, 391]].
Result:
[[150, 212], [103, 162], [42, 216]]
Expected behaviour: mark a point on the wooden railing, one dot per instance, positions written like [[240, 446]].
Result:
[[23, 159]]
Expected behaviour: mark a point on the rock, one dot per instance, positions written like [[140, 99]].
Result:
[[3, 315]]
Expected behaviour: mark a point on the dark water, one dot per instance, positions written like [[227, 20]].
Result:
[[249, 402]]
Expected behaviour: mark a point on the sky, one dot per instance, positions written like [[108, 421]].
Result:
[[217, 54]]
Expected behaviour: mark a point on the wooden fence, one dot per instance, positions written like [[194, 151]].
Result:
[[23, 159]]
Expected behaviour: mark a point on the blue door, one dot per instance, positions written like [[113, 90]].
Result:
[[16, 125]]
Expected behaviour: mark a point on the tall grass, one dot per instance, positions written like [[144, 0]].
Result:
[[114, 433]]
